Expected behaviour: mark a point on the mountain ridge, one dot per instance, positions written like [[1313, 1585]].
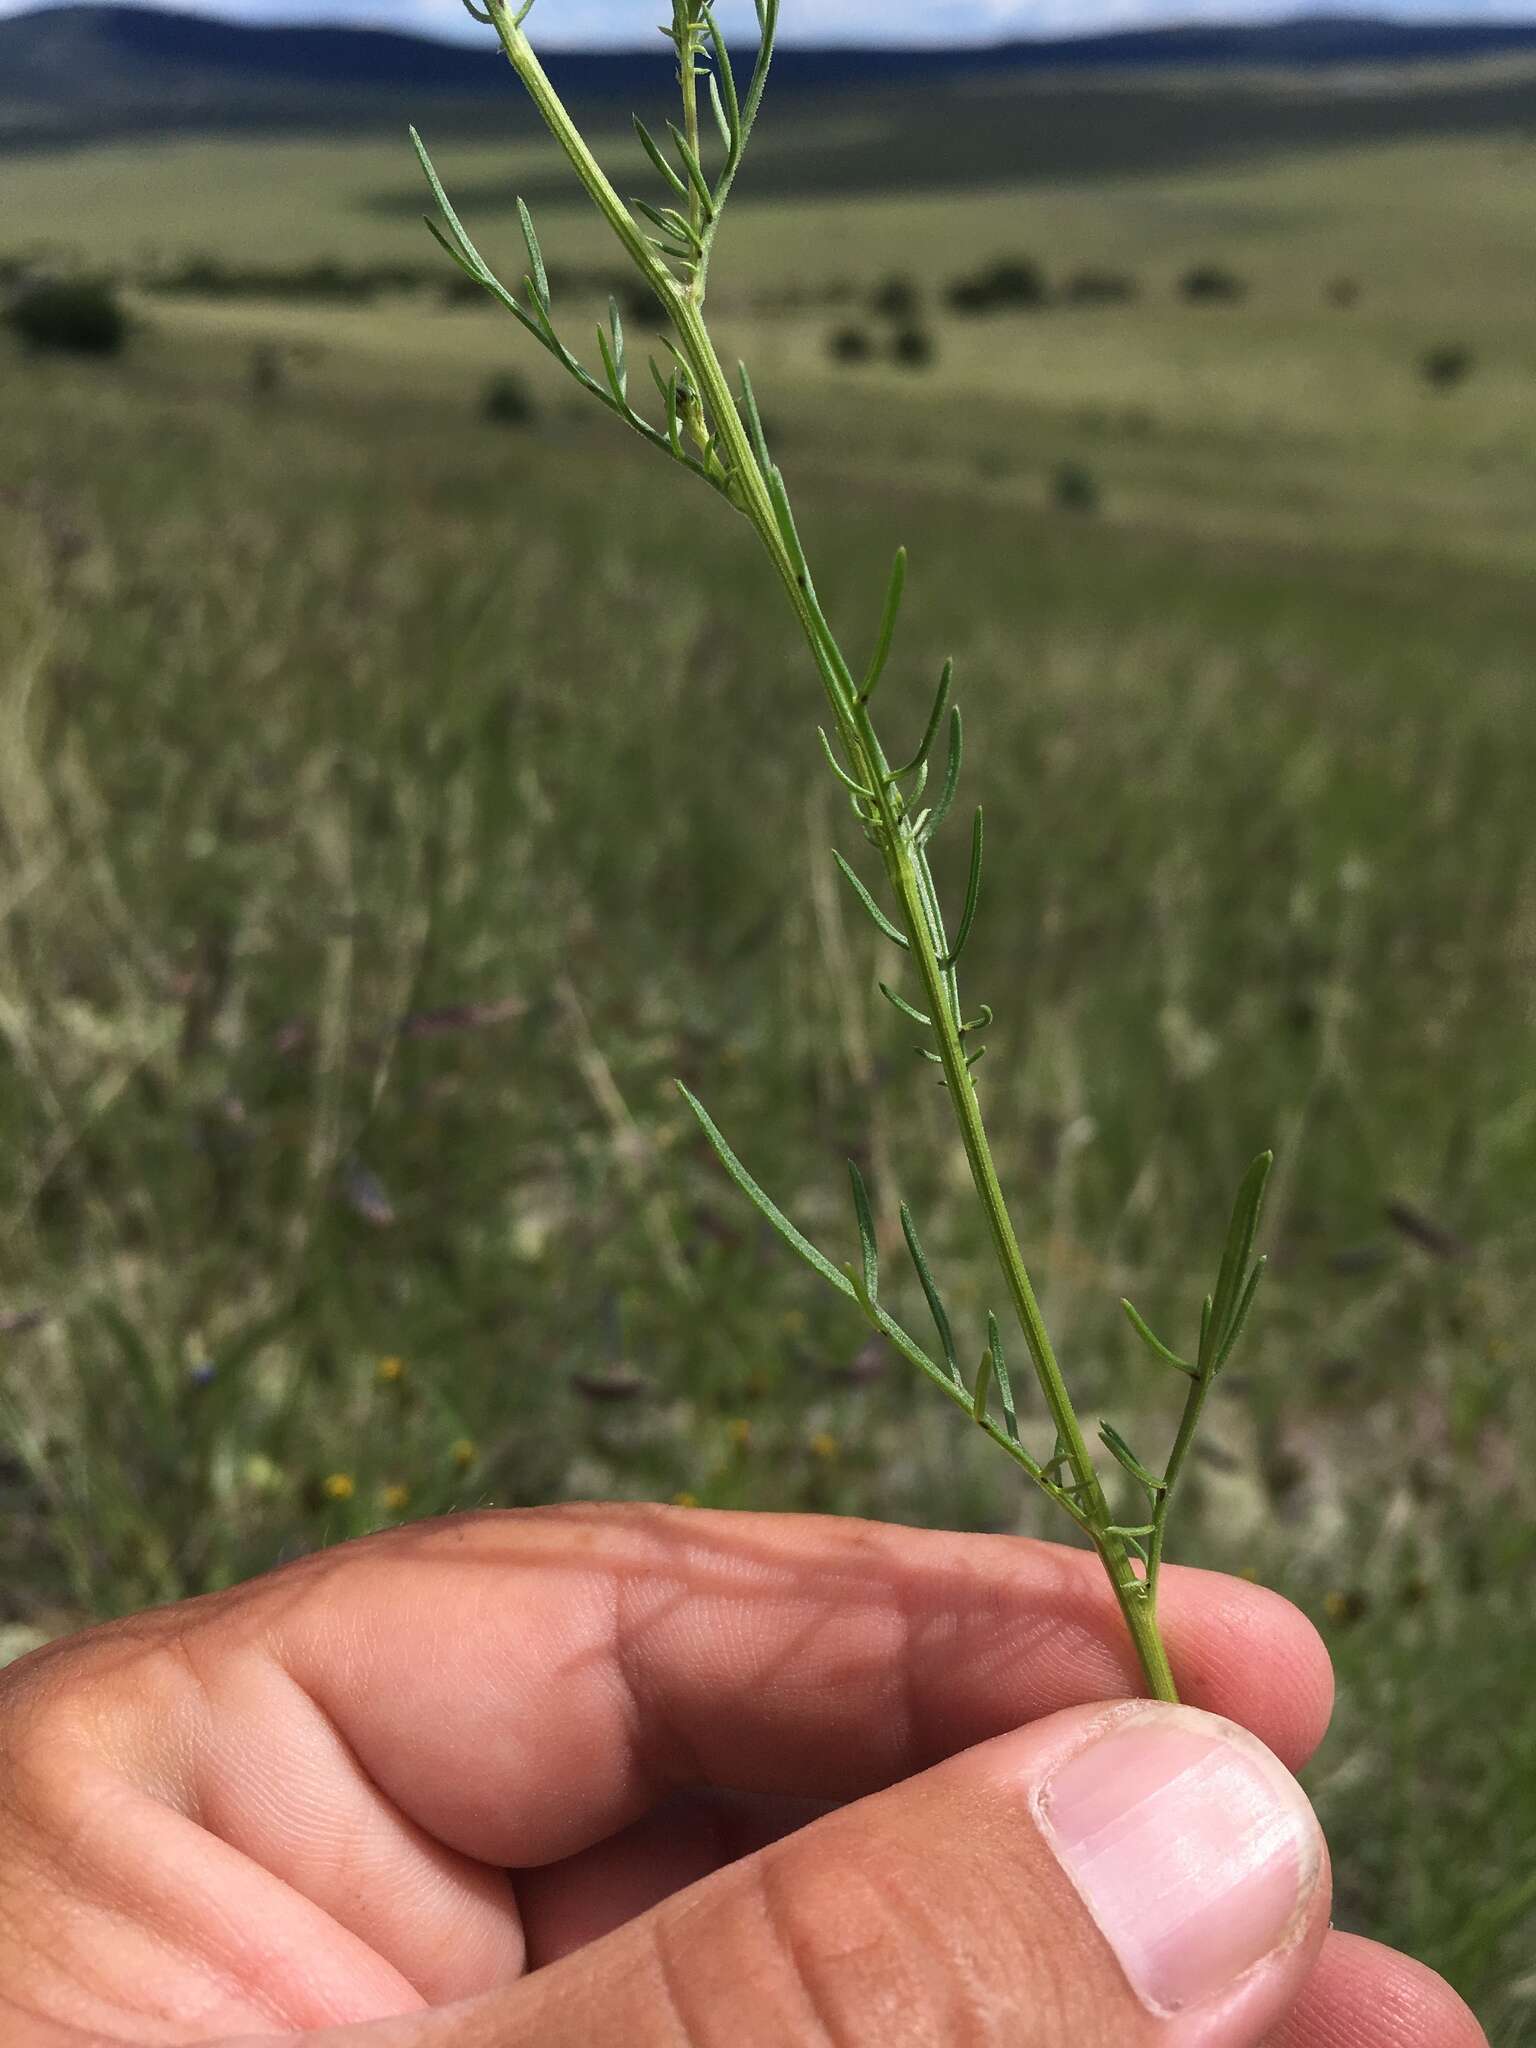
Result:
[[87, 71]]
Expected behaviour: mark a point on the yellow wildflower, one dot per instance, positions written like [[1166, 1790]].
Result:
[[739, 1430], [389, 1370], [397, 1499], [825, 1446], [339, 1486], [685, 1500], [463, 1454]]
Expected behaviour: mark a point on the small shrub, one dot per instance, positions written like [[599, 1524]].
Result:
[[1209, 285], [1446, 367], [1075, 488], [507, 401], [850, 345], [1344, 292], [1014, 285], [72, 316], [913, 348]]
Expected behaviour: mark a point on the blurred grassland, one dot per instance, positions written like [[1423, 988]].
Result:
[[391, 807]]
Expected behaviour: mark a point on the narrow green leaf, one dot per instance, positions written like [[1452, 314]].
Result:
[[1239, 1246], [972, 896], [868, 1250], [613, 369], [979, 1022], [722, 120], [839, 770], [675, 228], [889, 619], [906, 1009], [1206, 1366], [1240, 1320], [935, 719], [1000, 1374], [940, 810], [760, 1201], [935, 1300], [882, 922], [540, 277], [449, 249], [1133, 1529], [754, 418], [695, 170], [722, 80], [983, 1387], [657, 156], [1155, 1344], [784, 512], [1116, 1444]]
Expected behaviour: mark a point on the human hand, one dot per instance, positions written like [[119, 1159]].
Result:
[[646, 1776]]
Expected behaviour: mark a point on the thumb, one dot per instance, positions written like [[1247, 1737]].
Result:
[[1129, 1875]]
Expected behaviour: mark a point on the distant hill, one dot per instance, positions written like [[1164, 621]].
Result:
[[76, 73]]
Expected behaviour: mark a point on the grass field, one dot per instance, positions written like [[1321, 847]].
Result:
[[393, 805]]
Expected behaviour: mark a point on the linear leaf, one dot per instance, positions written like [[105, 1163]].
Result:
[[883, 923], [983, 1387], [722, 120], [763, 1203], [869, 1251], [535, 256], [935, 1300], [1155, 1344], [935, 720], [1000, 1374], [657, 156], [723, 80], [839, 770], [1239, 1247], [694, 168], [940, 810], [889, 619], [972, 895], [449, 248], [753, 418], [1240, 1320], [1117, 1446], [906, 1009]]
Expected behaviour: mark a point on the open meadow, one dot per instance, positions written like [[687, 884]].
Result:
[[395, 798]]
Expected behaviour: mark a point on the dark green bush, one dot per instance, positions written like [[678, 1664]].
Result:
[[1075, 488], [913, 348], [1446, 367], [507, 401], [1209, 285], [850, 345], [75, 316], [1012, 285]]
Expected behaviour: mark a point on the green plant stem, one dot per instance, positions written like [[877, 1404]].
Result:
[[1189, 1422], [905, 861]]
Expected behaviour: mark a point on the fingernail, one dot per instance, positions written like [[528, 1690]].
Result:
[[1193, 1847]]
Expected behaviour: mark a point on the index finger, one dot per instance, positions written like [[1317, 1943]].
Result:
[[522, 1684]]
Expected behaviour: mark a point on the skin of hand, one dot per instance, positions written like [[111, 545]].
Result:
[[670, 1778]]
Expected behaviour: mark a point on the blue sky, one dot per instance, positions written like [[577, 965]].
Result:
[[588, 23]]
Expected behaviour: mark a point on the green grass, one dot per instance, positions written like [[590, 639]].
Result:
[[367, 878]]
